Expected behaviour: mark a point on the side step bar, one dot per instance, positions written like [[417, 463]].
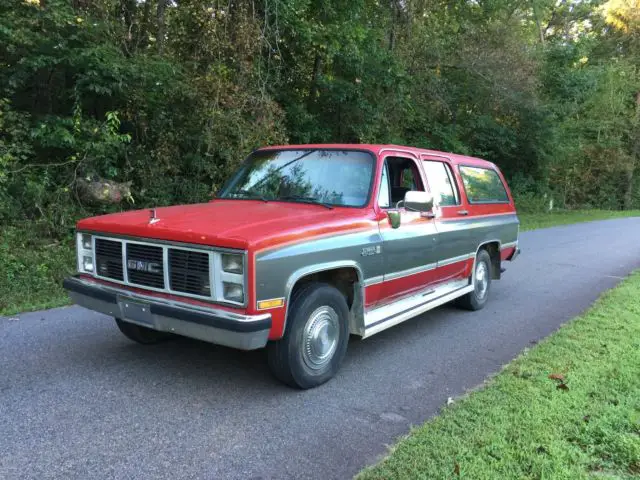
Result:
[[386, 316]]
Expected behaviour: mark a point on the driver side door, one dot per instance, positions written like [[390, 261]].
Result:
[[410, 256]]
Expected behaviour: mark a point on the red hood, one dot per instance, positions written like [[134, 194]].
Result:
[[232, 223]]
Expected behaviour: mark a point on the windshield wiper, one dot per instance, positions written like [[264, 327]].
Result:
[[302, 199], [249, 195]]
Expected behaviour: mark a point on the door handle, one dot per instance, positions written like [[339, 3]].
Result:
[[463, 212]]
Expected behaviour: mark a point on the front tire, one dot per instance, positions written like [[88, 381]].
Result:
[[315, 338], [143, 335], [481, 279]]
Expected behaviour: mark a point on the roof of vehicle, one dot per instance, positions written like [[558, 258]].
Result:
[[377, 149]]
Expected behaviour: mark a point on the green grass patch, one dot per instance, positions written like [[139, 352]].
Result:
[[569, 408], [532, 221], [32, 269]]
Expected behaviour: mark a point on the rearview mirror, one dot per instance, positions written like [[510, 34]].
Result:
[[418, 201]]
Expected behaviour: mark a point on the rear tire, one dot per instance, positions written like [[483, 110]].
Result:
[[481, 280], [143, 335], [315, 338]]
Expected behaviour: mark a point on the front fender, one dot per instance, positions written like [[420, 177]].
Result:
[[278, 270]]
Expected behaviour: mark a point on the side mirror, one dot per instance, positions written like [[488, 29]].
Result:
[[394, 218], [418, 201]]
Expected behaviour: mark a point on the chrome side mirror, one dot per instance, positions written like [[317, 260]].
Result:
[[418, 201]]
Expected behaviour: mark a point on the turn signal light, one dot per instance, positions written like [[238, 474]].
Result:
[[273, 303]]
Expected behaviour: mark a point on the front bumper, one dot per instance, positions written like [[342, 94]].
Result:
[[246, 332]]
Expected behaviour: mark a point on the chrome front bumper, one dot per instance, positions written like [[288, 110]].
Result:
[[246, 332]]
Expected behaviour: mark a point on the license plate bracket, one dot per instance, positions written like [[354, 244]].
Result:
[[137, 312]]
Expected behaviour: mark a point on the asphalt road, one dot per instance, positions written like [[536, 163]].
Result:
[[78, 400]]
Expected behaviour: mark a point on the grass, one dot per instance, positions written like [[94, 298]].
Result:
[[532, 221], [32, 268], [567, 409], [31, 271]]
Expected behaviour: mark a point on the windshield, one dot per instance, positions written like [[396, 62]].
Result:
[[330, 177]]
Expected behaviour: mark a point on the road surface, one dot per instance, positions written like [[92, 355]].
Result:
[[78, 400]]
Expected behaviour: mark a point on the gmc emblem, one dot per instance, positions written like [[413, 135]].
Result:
[[142, 266]]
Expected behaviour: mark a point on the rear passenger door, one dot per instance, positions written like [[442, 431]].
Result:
[[452, 222]]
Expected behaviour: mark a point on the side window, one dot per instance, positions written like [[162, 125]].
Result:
[[408, 179], [383, 194], [483, 185], [403, 176], [441, 181]]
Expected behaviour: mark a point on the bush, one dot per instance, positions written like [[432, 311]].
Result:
[[32, 269]]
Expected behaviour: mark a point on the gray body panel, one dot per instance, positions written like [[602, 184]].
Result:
[[410, 247], [418, 244], [463, 236], [277, 269]]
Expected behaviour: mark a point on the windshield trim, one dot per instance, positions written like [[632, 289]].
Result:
[[247, 159]]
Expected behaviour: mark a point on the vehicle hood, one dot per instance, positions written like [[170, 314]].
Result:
[[231, 223]]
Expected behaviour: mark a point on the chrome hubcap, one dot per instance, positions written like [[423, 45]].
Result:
[[320, 337], [482, 280]]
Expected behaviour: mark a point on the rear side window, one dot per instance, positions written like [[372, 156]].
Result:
[[483, 185], [440, 179]]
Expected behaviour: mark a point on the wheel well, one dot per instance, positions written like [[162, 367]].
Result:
[[493, 249], [347, 282], [342, 279]]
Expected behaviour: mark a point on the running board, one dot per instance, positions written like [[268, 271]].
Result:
[[386, 316]]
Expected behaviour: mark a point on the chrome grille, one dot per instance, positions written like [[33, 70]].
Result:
[[145, 265], [189, 272], [109, 259], [184, 270]]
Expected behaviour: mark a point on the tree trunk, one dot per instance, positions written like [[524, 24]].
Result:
[[142, 38], [635, 158], [162, 6], [317, 68], [536, 15]]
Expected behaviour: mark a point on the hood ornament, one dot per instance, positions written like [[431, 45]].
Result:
[[153, 219]]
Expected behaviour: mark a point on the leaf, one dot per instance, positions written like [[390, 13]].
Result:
[[557, 376]]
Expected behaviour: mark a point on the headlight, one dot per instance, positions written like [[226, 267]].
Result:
[[232, 263], [87, 264], [233, 292], [229, 277], [86, 241], [84, 247]]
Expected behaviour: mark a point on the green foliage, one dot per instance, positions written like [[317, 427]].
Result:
[[32, 270], [171, 96], [568, 408]]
